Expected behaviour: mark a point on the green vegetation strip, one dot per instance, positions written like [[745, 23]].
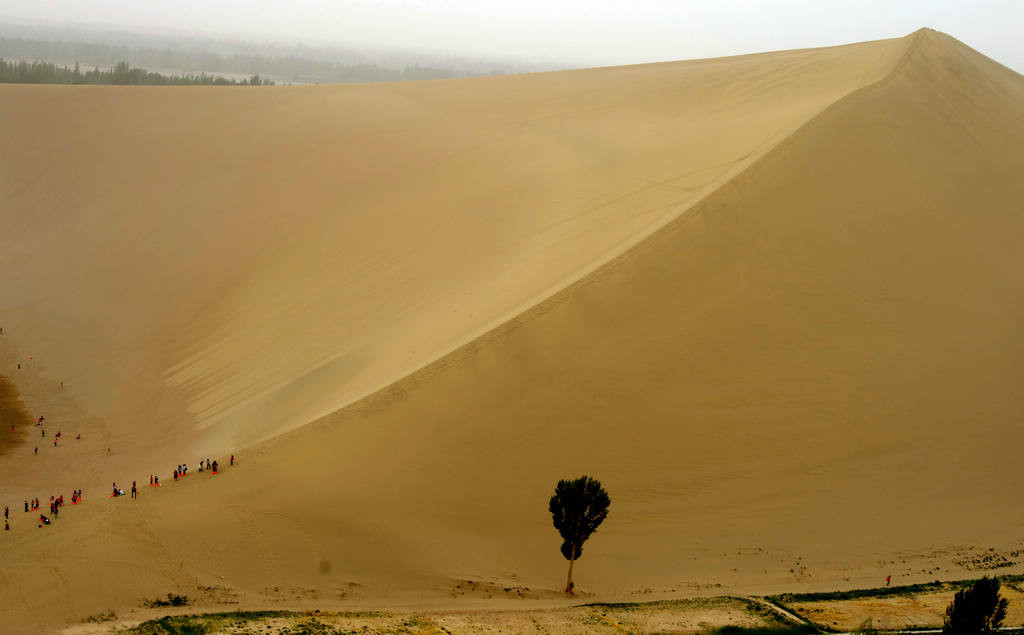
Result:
[[883, 592], [242, 621]]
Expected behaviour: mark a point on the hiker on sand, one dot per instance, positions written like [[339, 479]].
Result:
[[37, 449], [7, 512], [232, 460], [135, 492], [26, 505], [175, 475], [150, 479], [7, 525]]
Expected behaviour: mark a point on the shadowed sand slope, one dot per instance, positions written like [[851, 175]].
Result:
[[813, 375], [245, 261]]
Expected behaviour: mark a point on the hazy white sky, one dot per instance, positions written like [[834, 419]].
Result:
[[592, 32]]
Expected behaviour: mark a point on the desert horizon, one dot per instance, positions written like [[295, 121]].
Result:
[[771, 301]]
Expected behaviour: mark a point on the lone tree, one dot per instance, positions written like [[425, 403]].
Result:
[[577, 509], [976, 610]]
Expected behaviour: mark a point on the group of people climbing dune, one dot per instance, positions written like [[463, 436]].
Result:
[[41, 424], [182, 470], [57, 501]]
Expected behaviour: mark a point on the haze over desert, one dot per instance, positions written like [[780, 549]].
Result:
[[773, 302]]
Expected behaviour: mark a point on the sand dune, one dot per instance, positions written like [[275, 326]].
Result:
[[246, 261], [784, 329]]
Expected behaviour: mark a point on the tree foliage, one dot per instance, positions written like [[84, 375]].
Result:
[[976, 610], [577, 508]]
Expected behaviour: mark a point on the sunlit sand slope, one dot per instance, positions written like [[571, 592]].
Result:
[[247, 260]]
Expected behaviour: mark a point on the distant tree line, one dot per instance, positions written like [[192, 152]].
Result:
[[22, 72], [285, 68]]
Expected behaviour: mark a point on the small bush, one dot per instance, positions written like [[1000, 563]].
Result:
[[867, 627], [173, 599], [101, 617], [184, 625]]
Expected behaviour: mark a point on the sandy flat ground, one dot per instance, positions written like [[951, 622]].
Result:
[[781, 325], [678, 616]]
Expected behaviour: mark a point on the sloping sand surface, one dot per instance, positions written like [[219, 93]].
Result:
[[245, 261], [812, 378]]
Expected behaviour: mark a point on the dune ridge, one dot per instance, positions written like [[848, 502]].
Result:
[[809, 380]]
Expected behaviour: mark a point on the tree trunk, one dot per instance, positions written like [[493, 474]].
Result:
[[572, 559]]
